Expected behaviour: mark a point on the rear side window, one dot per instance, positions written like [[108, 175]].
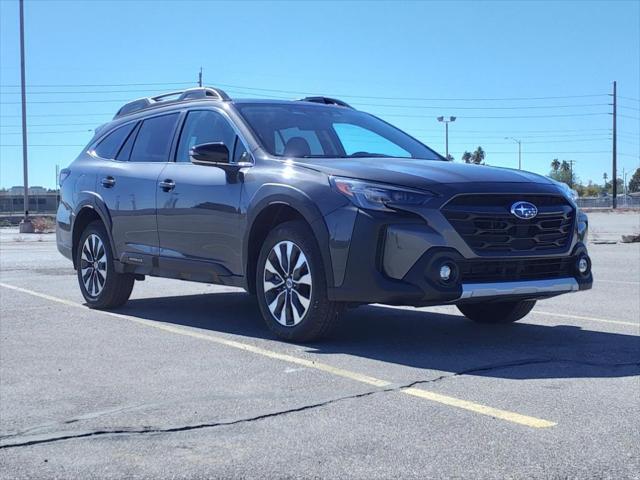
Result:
[[125, 151], [110, 145], [153, 141]]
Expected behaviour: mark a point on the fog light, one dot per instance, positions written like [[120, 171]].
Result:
[[583, 265], [445, 273]]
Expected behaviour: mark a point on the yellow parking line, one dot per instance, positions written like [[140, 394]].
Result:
[[358, 377], [591, 319], [621, 282], [482, 409]]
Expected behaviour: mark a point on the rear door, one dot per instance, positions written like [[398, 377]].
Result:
[[129, 184], [199, 220]]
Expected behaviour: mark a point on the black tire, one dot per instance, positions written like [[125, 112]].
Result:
[[320, 316], [497, 312], [116, 288]]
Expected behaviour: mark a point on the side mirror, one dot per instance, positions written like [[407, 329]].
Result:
[[213, 154]]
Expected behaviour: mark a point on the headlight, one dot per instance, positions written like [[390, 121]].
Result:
[[378, 196], [570, 192]]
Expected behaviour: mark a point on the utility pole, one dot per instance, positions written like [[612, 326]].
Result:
[[614, 185], [571, 162], [519, 142], [200, 78], [25, 225], [446, 122]]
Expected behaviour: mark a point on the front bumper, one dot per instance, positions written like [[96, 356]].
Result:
[[396, 259]]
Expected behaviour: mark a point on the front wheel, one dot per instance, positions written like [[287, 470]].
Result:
[[101, 286], [497, 312], [291, 285]]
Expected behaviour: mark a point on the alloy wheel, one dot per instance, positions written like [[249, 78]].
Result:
[[93, 265], [287, 283]]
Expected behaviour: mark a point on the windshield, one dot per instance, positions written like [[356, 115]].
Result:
[[320, 131]]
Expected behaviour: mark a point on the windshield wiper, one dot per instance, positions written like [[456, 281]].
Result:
[[368, 154]]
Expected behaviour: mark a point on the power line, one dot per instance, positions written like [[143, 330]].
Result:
[[47, 133], [98, 84], [635, 109], [41, 145], [453, 108], [54, 125], [426, 107], [505, 116], [110, 114], [298, 92], [301, 92]]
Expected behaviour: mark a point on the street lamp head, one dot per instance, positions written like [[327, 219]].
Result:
[[452, 119], [441, 119]]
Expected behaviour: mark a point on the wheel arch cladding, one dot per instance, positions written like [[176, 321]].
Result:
[[86, 215], [271, 213]]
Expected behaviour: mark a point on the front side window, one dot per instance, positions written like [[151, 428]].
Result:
[[153, 141], [204, 126], [306, 130], [110, 145]]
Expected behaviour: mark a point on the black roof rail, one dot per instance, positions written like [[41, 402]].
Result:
[[327, 101], [198, 93]]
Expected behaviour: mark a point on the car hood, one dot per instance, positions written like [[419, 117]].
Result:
[[418, 173]]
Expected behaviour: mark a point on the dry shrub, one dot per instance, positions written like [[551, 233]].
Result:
[[43, 224]]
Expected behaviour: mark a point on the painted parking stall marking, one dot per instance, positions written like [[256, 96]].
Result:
[[478, 408]]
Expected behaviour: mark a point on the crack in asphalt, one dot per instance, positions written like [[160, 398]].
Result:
[[396, 388], [186, 428]]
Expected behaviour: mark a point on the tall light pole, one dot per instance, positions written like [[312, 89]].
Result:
[[25, 225], [614, 152], [519, 142], [446, 122]]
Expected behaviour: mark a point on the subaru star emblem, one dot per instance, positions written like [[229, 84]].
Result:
[[524, 210]]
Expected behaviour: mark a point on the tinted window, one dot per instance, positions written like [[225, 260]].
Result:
[[204, 126], [240, 153], [153, 141], [109, 146], [125, 151], [309, 136], [328, 131]]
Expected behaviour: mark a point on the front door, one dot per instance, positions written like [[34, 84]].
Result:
[[199, 220]]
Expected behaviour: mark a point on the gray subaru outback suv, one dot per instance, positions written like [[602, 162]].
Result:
[[312, 206]]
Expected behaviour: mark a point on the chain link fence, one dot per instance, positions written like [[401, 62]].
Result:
[[624, 201]]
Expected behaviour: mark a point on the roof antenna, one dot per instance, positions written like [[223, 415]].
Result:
[[200, 78]]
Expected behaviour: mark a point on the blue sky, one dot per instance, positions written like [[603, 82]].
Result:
[[406, 62]]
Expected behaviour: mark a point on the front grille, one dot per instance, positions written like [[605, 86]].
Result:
[[486, 224], [478, 271]]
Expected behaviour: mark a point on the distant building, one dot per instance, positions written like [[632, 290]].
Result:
[[41, 200]]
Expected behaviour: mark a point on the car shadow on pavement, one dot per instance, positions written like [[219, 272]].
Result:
[[423, 340]]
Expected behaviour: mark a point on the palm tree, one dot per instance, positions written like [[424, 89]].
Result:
[[477, 157], [565, 166], [555, 164], [466, 157]]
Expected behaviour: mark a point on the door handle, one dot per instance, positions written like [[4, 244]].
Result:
[[167, 185], [108, 182]]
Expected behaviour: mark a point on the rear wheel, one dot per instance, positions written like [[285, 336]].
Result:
[[101, 286], [497, 312], [291, 285]]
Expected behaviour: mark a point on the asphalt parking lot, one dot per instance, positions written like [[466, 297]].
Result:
[[186, 382]]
